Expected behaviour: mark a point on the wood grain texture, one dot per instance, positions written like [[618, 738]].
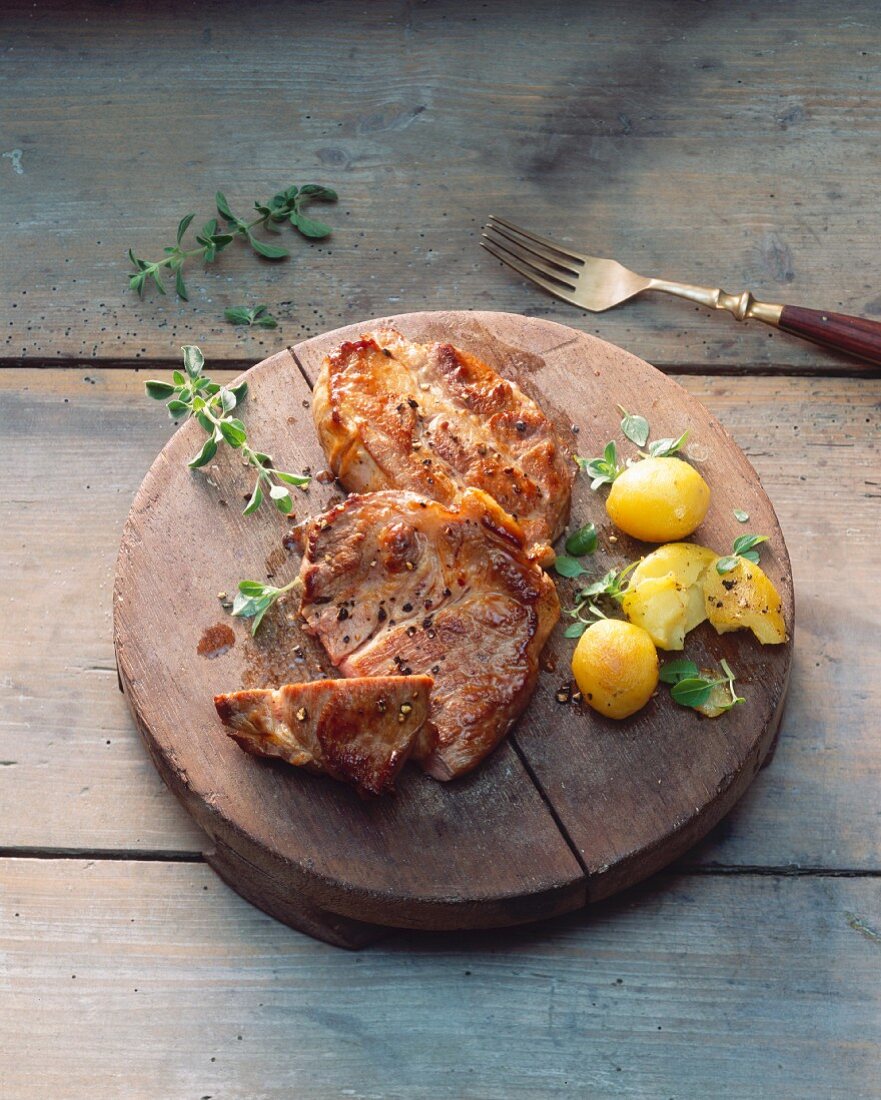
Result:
[[629, 796], [157, 978], [483, 850], [480, 852], [727, 144], [815, 444], [856, 336]]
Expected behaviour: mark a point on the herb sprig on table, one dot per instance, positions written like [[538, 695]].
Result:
[[286, 206], [192, 395], [258, 316]]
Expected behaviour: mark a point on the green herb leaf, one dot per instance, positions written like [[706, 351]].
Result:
[[741, 516], [309, 227], [612, 584], [255, 501], [242, 315], [254, 599], [635, 428], [256, 588], [568, 567], [239, 392], [233, 432], [664, 448], [270, 251], [316, 191], [159, 391], [194, 360], [180, 286], [744, 543], [292, 479], [575, 630], [583, 541], [693, 691], [209, 450], [183, 225], [674, 671], [744, 547], [178, 408], [602, 471]]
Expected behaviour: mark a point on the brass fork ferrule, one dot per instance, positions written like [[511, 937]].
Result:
[[741, 306]]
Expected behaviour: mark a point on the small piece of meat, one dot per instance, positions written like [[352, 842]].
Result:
[[361, 731], [392, 414], [393, 582]]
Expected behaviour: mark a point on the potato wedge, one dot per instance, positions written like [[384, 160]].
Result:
[[745, 599]]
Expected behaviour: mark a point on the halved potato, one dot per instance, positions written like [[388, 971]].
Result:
[[745, 599], [665, 595], [660, 606]]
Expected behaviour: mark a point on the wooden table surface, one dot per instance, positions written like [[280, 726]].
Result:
[[732, 143]]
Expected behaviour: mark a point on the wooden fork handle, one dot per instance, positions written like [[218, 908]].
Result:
[[837, 331]]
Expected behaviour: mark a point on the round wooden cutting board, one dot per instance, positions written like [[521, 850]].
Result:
[[570, 808]]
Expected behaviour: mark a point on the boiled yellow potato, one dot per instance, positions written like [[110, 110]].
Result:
[[660, 606], [665, 595], [615, 665], [658, 500], [745, 599]]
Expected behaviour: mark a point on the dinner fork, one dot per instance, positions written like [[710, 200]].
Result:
[[598, 284]]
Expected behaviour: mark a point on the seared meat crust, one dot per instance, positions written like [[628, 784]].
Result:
[[392, 414], [396, 583], [360, 731]]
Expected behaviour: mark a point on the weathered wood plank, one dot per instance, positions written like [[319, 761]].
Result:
[[156, 978], [722, 144], [78, 444]]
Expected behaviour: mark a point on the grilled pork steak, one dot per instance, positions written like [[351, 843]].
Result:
[[392, 414], [393, 582], [360, 731]]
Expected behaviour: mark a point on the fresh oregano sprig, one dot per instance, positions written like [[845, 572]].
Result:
[[612, 585], [258, 316], [209, 241], [634, 427], [254, 599], [603, 470], [285, 206], [192, 395], [744, 547], [690, 688], [665, 448]]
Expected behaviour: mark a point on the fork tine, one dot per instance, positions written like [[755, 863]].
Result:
[[536, 239], [532, 253], [507, 259], [561, 274]]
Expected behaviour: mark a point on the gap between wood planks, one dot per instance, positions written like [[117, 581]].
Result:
[[834, 367], [125, 855]]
